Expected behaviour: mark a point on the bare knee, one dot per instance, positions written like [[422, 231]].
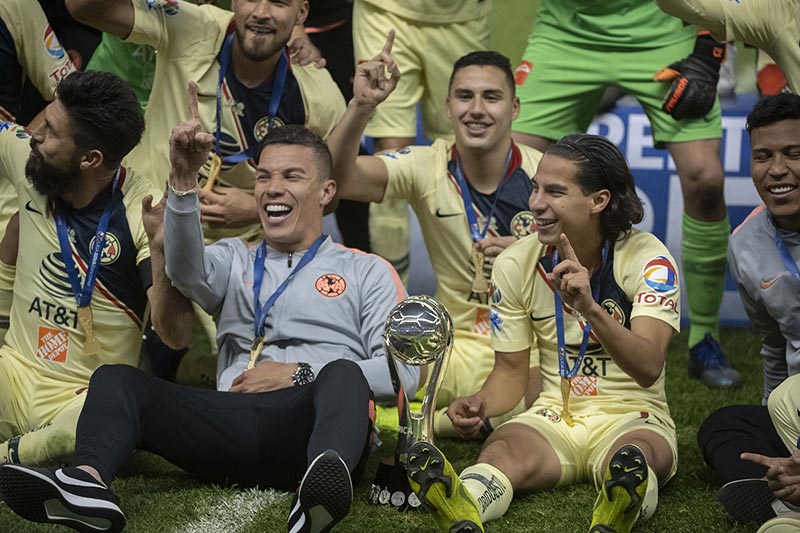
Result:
[[655, 448], [524, 456]]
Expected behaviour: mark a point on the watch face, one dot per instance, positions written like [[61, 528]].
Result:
[[304, 374]]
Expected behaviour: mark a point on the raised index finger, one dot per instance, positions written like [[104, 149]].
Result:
[[387, 47], [192, 91], [569, 252]]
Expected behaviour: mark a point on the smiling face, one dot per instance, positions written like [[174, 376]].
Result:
[[775, 168], [53, 166], [263, 27], [291, 195], [559, 205], [481, 107]]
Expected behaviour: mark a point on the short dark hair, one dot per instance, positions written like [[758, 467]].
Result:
[[104, 114], [485, 58], [297, 135], [600, 166], [772, 109]]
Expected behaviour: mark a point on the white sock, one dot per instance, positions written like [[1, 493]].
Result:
[[650, 497], [490, 488]]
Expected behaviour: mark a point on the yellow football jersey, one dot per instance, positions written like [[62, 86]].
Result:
[[639, 278], [44, 332], [420, 175]]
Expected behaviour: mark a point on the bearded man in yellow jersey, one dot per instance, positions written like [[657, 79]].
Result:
[[85, 272]]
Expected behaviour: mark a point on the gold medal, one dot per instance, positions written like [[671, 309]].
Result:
[[479, 283], [565, 392], [255, 351], [213, 172], [91, 346]]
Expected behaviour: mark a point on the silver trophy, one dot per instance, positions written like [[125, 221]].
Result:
[[418, 331]]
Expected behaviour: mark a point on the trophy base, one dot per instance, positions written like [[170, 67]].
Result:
[[391, 487]]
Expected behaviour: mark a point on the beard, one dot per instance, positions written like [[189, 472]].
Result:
[[258, 53], [48, 180]]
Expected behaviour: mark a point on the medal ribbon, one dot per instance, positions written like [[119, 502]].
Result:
[[786, 256], [274, 98], [563, 368], [83, 295], [258, 275], [474, 229]]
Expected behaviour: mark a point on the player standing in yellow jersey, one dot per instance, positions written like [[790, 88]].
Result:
[[601, 301], [431, 35], [470, 196], [85, 275]]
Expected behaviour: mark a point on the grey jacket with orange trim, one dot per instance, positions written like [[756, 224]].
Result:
[[334, 308], [770, 293]]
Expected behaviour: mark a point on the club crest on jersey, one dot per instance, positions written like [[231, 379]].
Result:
[[614, 309], [661, 276], [111, 250], [330, 285], [522, 224], [549, 414], [51, 43], [262, 127]]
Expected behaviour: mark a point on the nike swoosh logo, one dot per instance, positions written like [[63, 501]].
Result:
[[630, 468], [769, 283], [32, 209], [445, 215]]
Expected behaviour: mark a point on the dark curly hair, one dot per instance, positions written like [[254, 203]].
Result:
[[104, 114], [772, 109], [600, 165]]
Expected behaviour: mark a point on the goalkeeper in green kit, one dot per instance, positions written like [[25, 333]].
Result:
[[580, 47]]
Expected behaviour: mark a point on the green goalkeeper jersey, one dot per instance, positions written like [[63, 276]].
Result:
[[610, 23]]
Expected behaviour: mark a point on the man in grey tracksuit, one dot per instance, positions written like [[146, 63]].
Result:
[[296, 406], [764, 256]]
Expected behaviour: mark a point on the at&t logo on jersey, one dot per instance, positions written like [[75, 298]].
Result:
[[51, 43], [661, 276]]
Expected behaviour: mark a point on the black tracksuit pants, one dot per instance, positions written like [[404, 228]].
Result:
[[731, 430], [265, 439]]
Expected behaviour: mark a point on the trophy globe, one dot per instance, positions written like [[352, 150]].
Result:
[[418, 331]]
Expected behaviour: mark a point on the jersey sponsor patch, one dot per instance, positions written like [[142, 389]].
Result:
[[661, 276], [583, 386], [111, 251], [522, 224], [169, 7], [53, 344], [522, 71], [51, 43], [483, 322], [657, 299], [330, 285]]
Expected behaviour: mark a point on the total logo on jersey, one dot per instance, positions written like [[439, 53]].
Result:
[[51, 43], [661, 276]]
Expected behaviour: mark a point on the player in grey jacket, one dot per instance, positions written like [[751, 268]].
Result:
[[764, 256], [302, 413]]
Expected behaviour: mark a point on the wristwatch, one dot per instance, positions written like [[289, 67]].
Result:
[[303, 375]]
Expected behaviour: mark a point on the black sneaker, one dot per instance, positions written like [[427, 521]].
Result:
[[324, 496], [68, 496], [750, 501]]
